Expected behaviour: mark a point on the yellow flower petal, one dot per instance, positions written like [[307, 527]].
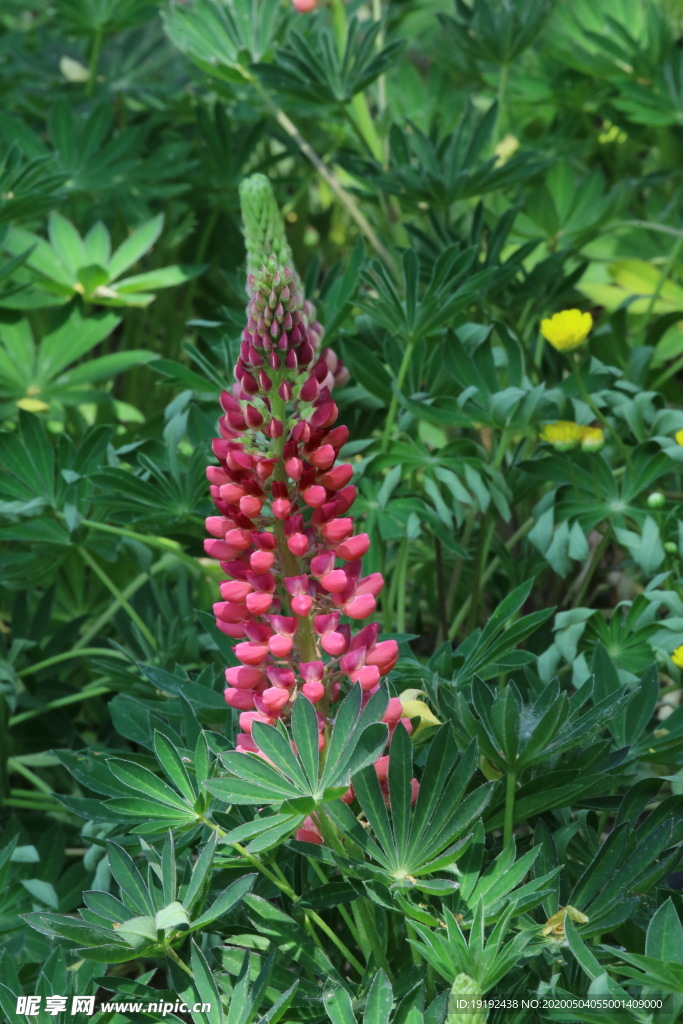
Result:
[[32, 405], [563, 435], [677, 657], [567, 330]]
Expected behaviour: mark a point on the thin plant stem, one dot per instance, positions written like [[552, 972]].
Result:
[[172, 955], [346, 917], [393, 405], [661, 281], [111, 586], [401, 576], [132, 588], [345, 198], [94, 59], [360, 113], [500, 100], [592, 567], [509, 820], [61, 702], [440, 588], [599, 415], [486, 576], [83, 652], [14, 765], [163, 543]]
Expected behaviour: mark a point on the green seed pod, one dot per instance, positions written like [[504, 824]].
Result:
[[462, 1006]]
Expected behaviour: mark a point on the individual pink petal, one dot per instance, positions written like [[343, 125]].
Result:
[[240, 699], [259, 603], [333, 644], [280, 646], [334, 582], [314, 691], [302, 604], [354, 547], [251, 654], [275, 697], [242, 677]]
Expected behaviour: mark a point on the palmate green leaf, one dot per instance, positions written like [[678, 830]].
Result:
[[126, 873], [290, 938], [226, 901], [135, 246], [142, 780], [206, 988]]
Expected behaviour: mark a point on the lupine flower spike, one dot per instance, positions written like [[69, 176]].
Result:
[[294, 587]]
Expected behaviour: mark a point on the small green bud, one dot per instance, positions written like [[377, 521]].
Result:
[[263, 226], [656, 500], [671, 547], [462, 1006]]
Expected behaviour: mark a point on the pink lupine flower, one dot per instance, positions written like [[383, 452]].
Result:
[[282, 532]]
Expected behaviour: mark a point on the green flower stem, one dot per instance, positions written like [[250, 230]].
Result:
[[73, 698], [509, 820], [163, 543], [393, 405], [667, 374], [665, 271], [172, 955], [599, 415], [283, 885], [486, 531], [14, 765], [486, 576], [359, 106], [132, 588], [94, 59], [592, 567], [500, 100], [83, 652], [346, 917], [345, 198], [402, 579], [111, 586]]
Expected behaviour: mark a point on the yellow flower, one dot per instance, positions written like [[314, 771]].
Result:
[[679, 437], [32, 405], [677, 657], [567, 330], [563, 435], [555, 924], [593, 439]]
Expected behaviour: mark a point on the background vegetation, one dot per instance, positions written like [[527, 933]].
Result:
[[450, 174]]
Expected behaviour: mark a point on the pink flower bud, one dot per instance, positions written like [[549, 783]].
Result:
[[234, 590], [349, 796], [338, 477], [243, 678], [334, 582], [368, 677], [359, 607], [371, 584], [384, 655], [281, 508], [294, 468], [264, 469], [308, 833], [219, 549], [240, 540], [235, 630], [217, 476], [217, 526], [247, 718], [298, 544], [280, 646], [251, 506], [244, 744], [333, 644], [337, 530], [323, 457], [314, 496], [240, 699], [314, 691], [260, 603], [275, 698], [261, 561], [302, 604], [354, 547], [251, 654], [382, 768], [394, 711], [226, 611]]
